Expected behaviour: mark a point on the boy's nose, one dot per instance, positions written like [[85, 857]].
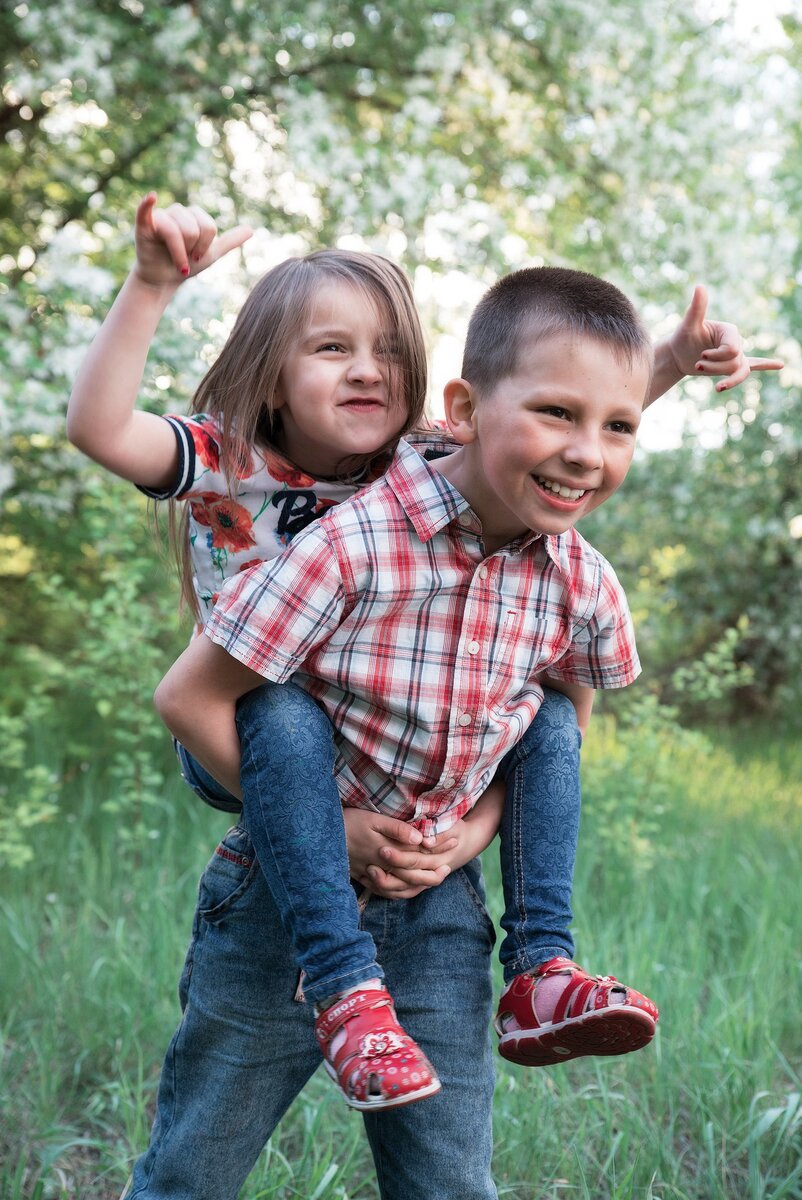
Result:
[[584, 450]]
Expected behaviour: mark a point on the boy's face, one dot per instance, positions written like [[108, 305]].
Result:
[[554, 440]]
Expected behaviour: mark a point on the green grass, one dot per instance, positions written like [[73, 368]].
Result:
[[687, 886]]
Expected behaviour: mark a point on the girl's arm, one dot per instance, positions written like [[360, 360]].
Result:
[[197, 700], [102, 419], [701, 347]]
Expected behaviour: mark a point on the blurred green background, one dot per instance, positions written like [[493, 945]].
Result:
[[658, 144]]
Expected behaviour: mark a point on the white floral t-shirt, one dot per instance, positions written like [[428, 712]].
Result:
[[271, 501]]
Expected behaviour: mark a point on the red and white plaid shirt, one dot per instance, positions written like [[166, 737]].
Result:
[[423, 652]]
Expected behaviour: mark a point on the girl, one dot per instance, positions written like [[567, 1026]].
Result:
[[323, 371]]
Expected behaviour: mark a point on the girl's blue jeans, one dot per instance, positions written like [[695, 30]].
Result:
[[292, 811]]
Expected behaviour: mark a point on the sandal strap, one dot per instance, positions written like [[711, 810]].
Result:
[[333, 1018]]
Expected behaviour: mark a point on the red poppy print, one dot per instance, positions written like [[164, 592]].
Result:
[[206, 447], [252, 562], [242, 459], [285, 472], [230, 523]]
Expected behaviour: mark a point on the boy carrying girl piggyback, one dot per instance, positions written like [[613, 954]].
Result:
[[420, 622]]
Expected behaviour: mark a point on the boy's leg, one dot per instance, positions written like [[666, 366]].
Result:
[[551, 1010], [436, 951], [244, 1047], [292, 810]]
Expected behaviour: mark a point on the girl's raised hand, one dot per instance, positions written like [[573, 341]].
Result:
[[703, 347], [176, 242]]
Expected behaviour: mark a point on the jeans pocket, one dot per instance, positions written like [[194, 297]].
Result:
[[470, 876], [228, 875]]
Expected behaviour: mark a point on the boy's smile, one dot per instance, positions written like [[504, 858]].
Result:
[[551, 442]]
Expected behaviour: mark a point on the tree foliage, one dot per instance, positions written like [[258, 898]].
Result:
[[463, 136]]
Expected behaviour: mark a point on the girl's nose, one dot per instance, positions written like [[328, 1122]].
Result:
[[364, 368]]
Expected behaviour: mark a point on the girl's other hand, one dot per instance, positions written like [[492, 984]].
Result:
[[701, 346], [176, 242]]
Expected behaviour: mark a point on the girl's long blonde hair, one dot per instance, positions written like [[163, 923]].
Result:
[[240, 389]]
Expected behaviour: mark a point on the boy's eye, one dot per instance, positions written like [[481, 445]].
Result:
[[621, 427], [554, 410]]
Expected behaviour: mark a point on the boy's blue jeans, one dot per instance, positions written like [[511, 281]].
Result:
[[292, 811], [245, 1047]]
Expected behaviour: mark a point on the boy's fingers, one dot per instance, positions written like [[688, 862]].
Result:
[[441, 841], [397, 831], [408, 860], [390, 886]]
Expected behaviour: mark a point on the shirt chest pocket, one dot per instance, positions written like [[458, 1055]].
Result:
[[526, 645]]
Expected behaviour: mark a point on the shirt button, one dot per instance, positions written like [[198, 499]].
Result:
[[483, 572], [465, 719], [449, 783], [473, 647]]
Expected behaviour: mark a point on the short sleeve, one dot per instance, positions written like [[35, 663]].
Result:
[[602, 652], [198, 441], [274, 616]]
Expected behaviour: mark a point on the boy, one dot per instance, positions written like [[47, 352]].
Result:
[[554, 379]]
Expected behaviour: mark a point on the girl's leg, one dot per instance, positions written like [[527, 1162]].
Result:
[[551, 1010], [292, 811], [539, 831]]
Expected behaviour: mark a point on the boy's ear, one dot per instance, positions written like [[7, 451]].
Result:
[[459, 401]]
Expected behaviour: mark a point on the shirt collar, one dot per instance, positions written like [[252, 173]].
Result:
[[428, 499], [431, 502]]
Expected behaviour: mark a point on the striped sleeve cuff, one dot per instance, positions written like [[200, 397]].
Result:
[[185, 470]]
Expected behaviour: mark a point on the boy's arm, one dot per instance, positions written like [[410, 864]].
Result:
[[102, 419], [197, 700], [390, 868], [701, 347]]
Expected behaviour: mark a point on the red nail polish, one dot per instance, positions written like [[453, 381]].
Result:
[[185, 270]]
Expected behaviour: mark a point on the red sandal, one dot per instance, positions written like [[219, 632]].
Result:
[[584, 1022], [378, 1065]]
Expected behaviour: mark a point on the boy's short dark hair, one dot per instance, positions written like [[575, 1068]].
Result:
[[538, 302]]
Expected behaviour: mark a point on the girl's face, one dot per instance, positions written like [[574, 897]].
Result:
[[333, 390]]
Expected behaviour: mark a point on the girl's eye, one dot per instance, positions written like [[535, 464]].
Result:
[[389, 350], [330, 346]]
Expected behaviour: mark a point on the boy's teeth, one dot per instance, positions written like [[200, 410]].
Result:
[[566, 492]]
